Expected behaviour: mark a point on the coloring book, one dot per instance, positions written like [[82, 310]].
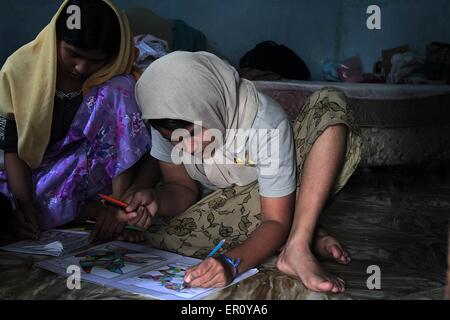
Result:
[[135, 268]]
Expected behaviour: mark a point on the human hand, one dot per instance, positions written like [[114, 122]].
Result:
[[143, 206], [211, 273], [108, 225], [25, 222]]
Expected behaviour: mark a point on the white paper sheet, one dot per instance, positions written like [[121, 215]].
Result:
[[51, 243]]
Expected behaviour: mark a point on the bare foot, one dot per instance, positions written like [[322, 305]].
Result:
[[297, 260], [329, 248]]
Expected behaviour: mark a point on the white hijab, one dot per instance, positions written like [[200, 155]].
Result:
[[202, 87]]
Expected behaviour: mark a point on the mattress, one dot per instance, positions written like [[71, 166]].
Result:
[[401, 124]]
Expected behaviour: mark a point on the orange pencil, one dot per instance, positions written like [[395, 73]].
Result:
[[121, 205], [114, 202]]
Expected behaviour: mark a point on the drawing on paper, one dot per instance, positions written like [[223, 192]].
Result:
[[114, 259], [171, 277]]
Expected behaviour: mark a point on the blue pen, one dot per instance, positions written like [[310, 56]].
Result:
[[217, 248]]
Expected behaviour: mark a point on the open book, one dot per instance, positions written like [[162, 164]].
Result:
[[51, 243], [134, 268]]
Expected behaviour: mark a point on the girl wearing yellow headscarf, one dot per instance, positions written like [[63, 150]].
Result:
[[69, 124]]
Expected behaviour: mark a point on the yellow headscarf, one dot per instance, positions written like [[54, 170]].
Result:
[[28, 85]]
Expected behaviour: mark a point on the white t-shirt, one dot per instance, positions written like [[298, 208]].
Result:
[[270, 150]]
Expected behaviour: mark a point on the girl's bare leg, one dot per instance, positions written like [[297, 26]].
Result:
[[320, 171]]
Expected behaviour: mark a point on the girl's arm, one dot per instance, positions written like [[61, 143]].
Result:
[[20, 184], [266, 240], [112, 221], [179, 191], [270, 236], [147, 175], [177, 194]]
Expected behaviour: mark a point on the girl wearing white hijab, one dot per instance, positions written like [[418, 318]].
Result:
[[201, 99]]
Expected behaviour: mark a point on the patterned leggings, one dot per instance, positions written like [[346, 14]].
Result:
[[234, 213]]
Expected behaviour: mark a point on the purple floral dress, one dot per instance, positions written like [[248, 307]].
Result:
[[106, 138]]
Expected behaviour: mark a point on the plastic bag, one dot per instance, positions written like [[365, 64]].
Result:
[[330, 70], [349, 70]]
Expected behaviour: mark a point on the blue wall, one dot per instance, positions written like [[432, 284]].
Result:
[[315, 29]]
